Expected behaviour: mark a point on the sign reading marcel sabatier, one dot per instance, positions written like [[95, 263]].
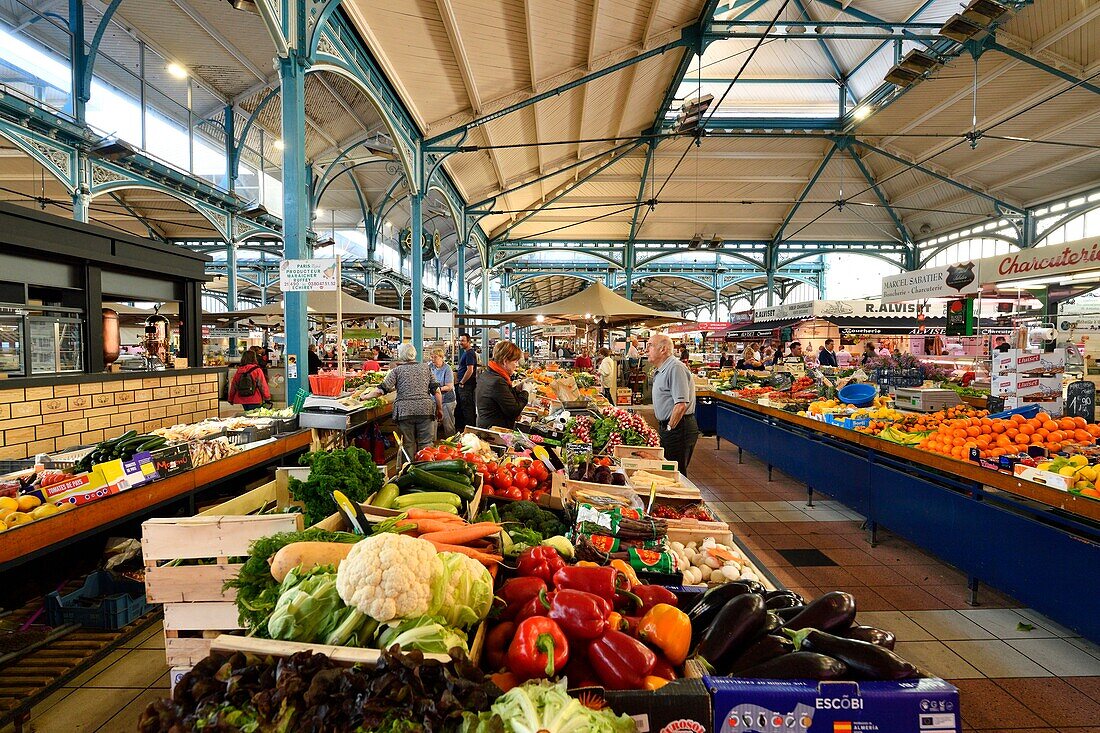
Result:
[[967, 278]]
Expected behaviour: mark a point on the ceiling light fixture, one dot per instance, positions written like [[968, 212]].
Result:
[[278, 144], [177, 70], [984, 11], [696, 242], [692, 112], [919, 61], [961, 29], [715, 242]]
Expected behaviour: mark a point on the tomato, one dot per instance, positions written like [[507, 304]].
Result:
[[520, 479], [538, 470], [532, 483], [491, 466], [524, 495], [512, 493], [487, 490]]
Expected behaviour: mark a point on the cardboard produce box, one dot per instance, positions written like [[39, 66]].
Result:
[[1029, 362], [681, 706], [770, 706], [1027, 388]]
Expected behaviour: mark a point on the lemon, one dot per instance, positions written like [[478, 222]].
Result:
[[17, 518], [1078, 460], [1067, 471], [9, 502], [1088, 473], [28, 502], [45, 510]]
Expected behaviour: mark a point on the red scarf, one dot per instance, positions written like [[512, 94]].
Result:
[[500, 370]]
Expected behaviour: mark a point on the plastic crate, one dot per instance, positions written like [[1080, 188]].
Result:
[[248, 435], [286, 425], [121, 601], [326, 385]]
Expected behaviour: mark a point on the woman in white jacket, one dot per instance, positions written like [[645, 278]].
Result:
[[607, 374]]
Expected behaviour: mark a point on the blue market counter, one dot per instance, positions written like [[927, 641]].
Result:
[[1039, 545]]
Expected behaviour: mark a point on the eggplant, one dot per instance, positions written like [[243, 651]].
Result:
[[865, 661], [787, 613], [764, 649], [737, 625], [778, 601], [784, 592], [798, 666], [831, 612], [871, 635], [772, 622], [710, 602]]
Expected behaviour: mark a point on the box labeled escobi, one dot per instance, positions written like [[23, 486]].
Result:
[[782, 706]]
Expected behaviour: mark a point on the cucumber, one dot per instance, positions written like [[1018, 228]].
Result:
[[404, 481], [385, 496], [456, 477], [426, 497], [435, 482]]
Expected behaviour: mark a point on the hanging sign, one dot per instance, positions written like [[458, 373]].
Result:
[[306, 275], [558, 330], [229, 333], [960, 317], [362, 333], [443, 319], [938, 282]]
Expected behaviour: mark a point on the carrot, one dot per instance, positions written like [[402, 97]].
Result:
[[417, 514], [423, 526], [484, 558], [462, 535]]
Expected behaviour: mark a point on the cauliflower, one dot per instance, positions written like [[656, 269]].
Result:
[[389, 576]]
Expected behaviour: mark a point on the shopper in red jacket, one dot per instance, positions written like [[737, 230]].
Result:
[[249, 386]]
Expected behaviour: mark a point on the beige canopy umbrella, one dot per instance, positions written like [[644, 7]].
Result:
[[323, 303], [594, 302]]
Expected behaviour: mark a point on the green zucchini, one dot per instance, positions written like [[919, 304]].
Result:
[[385, 496], [438, 508], [451, 476], [426, 497], [404, 481], [435, 482], [451, 466]]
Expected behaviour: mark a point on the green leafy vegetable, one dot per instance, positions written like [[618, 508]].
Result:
[[308, 602], [428, 634], [351, 471], [257, 590], [463, 592], [545, 706], [530, 515]]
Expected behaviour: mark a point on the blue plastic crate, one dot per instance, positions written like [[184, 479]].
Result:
[[121, 601]]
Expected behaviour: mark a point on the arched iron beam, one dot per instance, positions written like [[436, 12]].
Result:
[[512, 256], [931, 254], [239, 144], [673, 252], [814, 253], [322, 188]]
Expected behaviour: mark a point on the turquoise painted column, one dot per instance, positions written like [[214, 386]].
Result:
[[484, 309], [296, 213], [231, 284], [416, 270], [462, 277]]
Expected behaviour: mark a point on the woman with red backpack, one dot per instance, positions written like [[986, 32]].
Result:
[[249, 386]]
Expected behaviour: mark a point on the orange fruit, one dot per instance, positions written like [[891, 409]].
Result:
[[1023, 439], [1036, 439], [1080, 422], [1012, 433], [1054, 447], [1042, 416], [1067, 423], [973, 431], [999, 426], [1082, 436], [1050, 426], [1017, 418], [1027, 429]]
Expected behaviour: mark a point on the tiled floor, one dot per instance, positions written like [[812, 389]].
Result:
[[1016, 670]]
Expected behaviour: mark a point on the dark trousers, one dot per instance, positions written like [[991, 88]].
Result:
[[679, 443], [466, 410]]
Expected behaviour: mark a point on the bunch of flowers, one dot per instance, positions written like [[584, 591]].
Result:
[[933, 372]]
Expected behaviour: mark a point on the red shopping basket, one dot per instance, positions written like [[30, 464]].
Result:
[[326, 385]]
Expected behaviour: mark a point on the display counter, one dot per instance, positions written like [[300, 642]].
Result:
[[25, 543], [1038, 544], [43, 415]]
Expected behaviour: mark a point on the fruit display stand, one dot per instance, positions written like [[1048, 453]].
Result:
[[27, 542], [984, 522]]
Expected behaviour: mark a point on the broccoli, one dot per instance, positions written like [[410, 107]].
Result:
[[532, 516]]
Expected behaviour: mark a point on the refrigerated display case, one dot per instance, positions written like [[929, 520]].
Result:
[[56, 344], [11, 344]]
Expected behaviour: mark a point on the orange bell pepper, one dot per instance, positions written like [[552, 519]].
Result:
[[655, 683], [588, 564], [615, 621], [669, 629], [626, 569]]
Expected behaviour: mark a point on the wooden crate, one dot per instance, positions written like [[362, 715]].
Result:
[[649, 464], [686, 489], [637, 451], [195, 606]]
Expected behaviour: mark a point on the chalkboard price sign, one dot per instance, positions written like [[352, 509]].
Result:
[[994, 404], [1081, 400], [886, 377]]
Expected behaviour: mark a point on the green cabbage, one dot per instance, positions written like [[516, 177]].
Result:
[[429, 634], [541, 705], [308, 603], [463, 593]]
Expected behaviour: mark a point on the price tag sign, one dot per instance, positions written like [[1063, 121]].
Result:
[[1081, 400]]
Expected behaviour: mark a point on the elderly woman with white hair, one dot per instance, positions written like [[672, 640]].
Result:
[[419, 402], [673, 402]]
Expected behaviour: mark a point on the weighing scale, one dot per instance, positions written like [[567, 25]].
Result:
[[328, 413]]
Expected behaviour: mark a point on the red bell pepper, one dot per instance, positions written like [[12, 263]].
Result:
[[517, 591], [620, 661], [581, 615], [663, 669], [605, 582], [540, 562], [651, 595], [537, 606], [579, 671], [539, 649]]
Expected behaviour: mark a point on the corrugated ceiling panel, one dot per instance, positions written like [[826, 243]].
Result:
[[495, 39], [620, 24], [561, 35]]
